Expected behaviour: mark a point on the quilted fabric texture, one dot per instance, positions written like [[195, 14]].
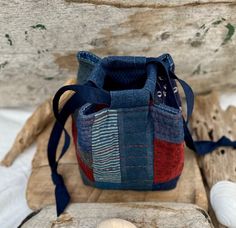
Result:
[[136, 148], [128, 127], [138, 142]]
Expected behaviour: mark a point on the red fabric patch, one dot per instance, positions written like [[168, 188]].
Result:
[[168, 160], [87, 171]]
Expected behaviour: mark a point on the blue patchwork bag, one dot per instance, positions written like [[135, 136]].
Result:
[[128, 127]]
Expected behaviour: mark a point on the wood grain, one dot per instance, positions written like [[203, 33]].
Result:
[[150, 3], [35, 124], [146, 215], [39, 41], [210, 122], [40, 190]]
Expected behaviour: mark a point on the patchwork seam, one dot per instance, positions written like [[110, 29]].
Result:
[[105, 147]]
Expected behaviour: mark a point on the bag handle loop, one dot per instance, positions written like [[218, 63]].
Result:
[[201, 147], [88, 93], [83, 94]]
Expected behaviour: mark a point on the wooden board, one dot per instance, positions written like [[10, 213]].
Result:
[[149, 3], [40, 190], [38, 42], [143, 215]]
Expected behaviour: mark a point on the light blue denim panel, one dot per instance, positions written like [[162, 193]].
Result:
[[129, 98], [168, 123], [87, 62], [136, 145], [105, 147], [84, 125]]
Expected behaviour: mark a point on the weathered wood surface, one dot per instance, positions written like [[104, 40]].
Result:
[[37, 122], [39, 41], [210, 122], [149, 3], [143, 215], [40, 190]]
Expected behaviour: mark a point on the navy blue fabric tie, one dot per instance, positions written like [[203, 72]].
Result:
[[83, 94], [201, 147], [89, 94]]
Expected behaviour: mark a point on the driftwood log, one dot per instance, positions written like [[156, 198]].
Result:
[[210, 122], [37, 122], [40, 50], [143, 215]]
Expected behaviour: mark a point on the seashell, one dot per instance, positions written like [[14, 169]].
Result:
[[223, 201], [116, 223]]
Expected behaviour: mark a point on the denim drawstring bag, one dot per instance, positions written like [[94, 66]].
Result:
[[128, 127]]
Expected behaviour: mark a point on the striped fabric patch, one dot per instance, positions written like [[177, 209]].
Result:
[[105, 147]]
